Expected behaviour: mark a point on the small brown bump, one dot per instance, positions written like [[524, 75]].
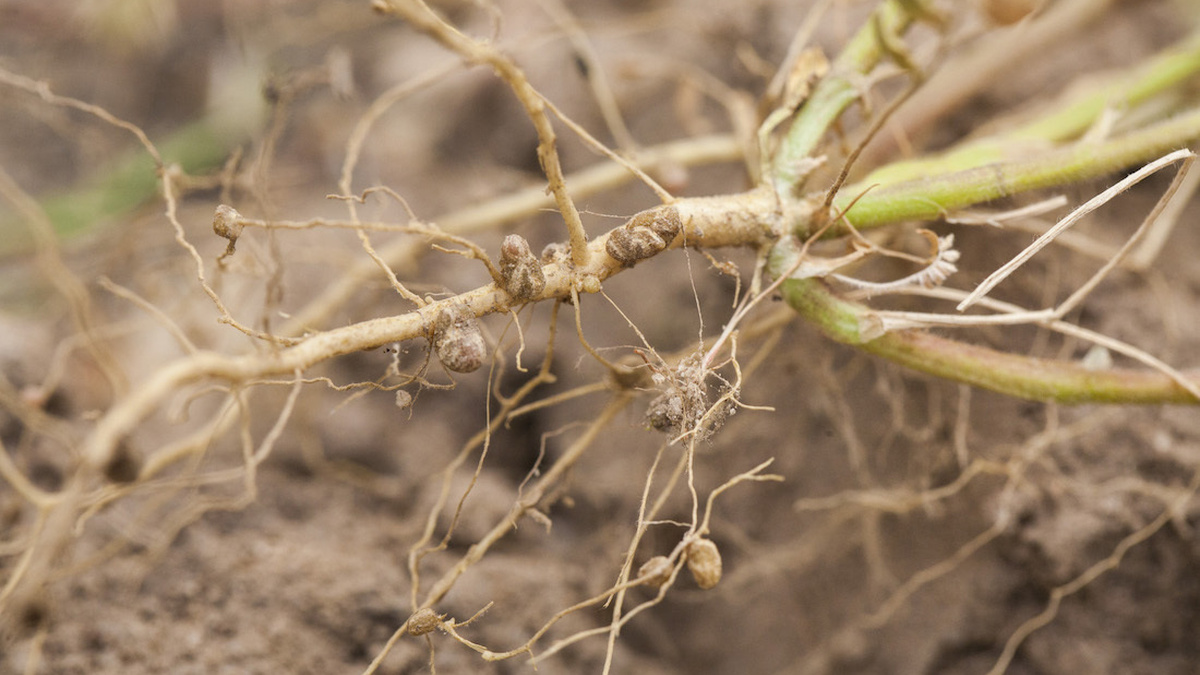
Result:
[[704, 562], [31, 617], [404, 399], [520, 270], [423, 621], [665, 222], [655, 571], [123, 467], [628, 245], [227, 224], [458, 340], [645, 235]]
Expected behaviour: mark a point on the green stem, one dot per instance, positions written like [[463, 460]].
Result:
[[934, 196], [121, 187], [1165, 71], [1012, 374], [833, 94]]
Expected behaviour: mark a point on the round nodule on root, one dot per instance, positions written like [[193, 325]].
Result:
[[403, 399], [645, 235], [458, 340], [704, 562], [226, 222], [663, 220], [423, 621], [628, 245], [655, 571], [520, 270]]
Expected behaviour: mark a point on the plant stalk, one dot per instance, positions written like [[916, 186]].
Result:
[[1069, 119], [1012, 374], [935, 196], [833, 94]]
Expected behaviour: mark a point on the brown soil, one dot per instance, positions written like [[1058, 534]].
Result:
[[918, 527]]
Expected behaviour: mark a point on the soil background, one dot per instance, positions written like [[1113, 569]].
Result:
[[918, 525]]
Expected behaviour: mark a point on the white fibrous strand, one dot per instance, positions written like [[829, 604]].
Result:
[[933, 275]]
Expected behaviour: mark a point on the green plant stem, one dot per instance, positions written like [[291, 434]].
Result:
[[133, 181], [1012, 374], [833, 94], [1165, 71], [121, 187], [934, 196]]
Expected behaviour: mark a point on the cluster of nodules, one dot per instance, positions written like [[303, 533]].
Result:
[[703, 561], [683, 406], [457, 337], [520, 271], [645, 235]]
